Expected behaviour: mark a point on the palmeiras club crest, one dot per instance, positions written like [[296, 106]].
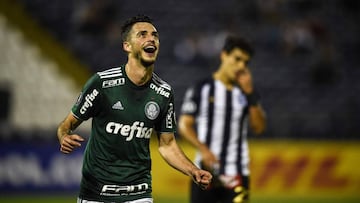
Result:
[[152, 110]]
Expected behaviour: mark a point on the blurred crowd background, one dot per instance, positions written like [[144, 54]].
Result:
[[306, 64]]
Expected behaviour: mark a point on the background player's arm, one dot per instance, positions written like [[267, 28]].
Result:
[[176, 158], [68, 141], [187, 131], [256, 112], [257, 118]]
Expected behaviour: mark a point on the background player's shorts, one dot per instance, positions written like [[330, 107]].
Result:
[[220, 192]]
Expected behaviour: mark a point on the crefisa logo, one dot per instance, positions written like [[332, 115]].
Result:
[[160, 90], [89, 98]]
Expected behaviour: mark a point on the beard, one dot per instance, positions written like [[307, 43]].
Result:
[[146, 63], [144, 59]]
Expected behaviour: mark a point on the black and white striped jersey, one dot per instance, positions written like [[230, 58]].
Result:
[[221, 123]]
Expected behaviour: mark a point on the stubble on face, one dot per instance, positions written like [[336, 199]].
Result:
[[145, 43]]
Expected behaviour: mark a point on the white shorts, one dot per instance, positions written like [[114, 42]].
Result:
[[143, 200]]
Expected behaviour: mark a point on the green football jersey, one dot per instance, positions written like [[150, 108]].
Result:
[[117, 164]]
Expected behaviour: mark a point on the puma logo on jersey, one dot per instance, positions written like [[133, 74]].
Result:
[[137, 130], [118, 105]]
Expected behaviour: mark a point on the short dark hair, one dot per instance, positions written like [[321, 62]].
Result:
[[232, 42], [126, 27]]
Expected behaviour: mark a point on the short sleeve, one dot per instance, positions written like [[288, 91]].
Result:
[[191, 102], [87, 104], [167, 122]]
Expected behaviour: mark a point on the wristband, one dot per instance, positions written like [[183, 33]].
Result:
[[253, 98]]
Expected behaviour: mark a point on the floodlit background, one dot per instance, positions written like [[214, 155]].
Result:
[[306, 67]]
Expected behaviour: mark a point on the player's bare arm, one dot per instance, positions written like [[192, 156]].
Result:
[[176, 158], [68, 141], [187, 131], [256, 112], [257, 119]]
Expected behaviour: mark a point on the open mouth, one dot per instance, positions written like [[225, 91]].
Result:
[[150, 49]]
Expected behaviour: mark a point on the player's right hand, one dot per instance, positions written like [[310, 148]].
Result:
[[208, 158], [69, 142], [202, 178]]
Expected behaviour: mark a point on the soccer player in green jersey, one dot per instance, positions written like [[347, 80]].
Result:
[[126, 104]]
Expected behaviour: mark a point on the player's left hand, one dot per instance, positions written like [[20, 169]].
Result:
[[244, 80], [202, 178]]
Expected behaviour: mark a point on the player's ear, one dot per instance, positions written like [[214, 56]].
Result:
[[127, 46]]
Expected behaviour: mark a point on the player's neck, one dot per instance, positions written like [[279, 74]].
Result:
[[137, 73], [223, 79]]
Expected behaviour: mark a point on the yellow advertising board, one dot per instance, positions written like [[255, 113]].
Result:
[[305, 168], [281, 168]]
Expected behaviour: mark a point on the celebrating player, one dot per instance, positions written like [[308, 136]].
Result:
[[126, 104]]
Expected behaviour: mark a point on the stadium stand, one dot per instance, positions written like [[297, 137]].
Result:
[[306, 63], [39, 95]]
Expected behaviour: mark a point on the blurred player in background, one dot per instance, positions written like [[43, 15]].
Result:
[[214, 118], [126, 104]]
